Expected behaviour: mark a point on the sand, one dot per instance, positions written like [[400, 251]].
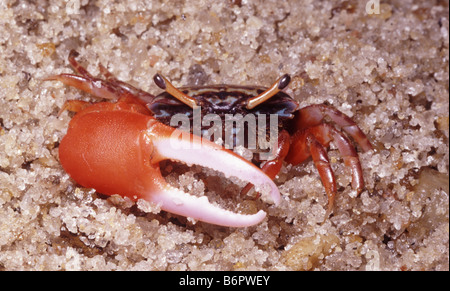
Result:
[[387, 70]]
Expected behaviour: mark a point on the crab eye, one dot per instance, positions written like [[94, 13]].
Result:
[[279, 85], [164, 84], [284, 81]]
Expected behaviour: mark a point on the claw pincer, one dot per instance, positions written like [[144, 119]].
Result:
[[116, 148]]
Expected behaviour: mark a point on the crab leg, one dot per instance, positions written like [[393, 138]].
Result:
[[322, 163], [326, 133], [313, 142], [307, 145], [111, 79], [111, 88], [272, 167], [77, 67], [314, 115], [97, 87]]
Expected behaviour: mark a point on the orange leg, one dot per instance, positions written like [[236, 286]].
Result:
[[314, 135], [320, 158], [314, 115], [97, 87], [325, 133], [140, 94], [74, 106], [272, 168], [78, 67], [304, 144], [111, 88]]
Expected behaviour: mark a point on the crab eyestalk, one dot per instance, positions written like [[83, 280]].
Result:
[[164, 84], [279, 85]]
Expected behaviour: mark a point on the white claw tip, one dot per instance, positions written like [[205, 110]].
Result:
[[176, 201]]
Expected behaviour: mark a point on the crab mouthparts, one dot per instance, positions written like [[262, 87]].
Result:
[[196, 151]]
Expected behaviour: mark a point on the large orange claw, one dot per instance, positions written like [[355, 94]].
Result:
[[115, 148]]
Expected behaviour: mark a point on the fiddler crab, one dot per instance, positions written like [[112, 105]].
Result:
[[116, 146]]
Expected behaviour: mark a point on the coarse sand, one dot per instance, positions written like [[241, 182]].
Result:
[[384, 64]]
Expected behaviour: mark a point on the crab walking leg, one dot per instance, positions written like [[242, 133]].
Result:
[[322, 163], [111, 88], [111, 79], [94, 86], [314, 115], [74, 106], [77, 67], [326, 133], [272, 167], [304, 145], [313, 142]]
